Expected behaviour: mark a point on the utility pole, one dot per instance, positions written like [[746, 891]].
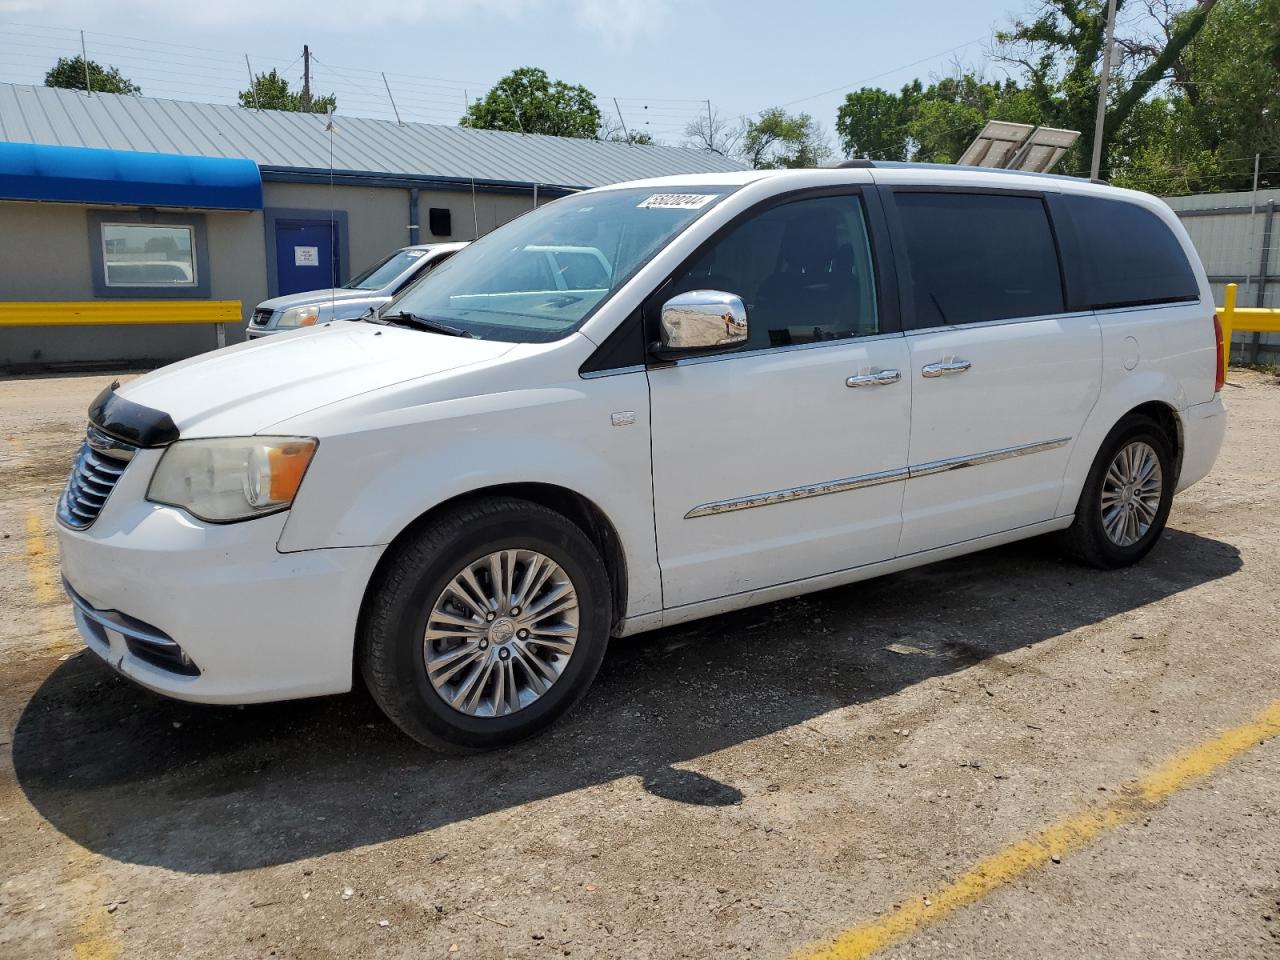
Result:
[[711, 130], [253, 83], [394, 109], [625, 132], [1100, 121], [1248, 277], [84, 58], [305, 99]]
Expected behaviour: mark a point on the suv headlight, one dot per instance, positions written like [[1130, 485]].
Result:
[[299, 316], [232, 478]]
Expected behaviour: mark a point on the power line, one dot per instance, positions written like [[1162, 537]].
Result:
[[905, 66], [214, 75]]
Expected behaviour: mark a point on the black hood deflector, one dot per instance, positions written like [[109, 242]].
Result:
[[131, 422]]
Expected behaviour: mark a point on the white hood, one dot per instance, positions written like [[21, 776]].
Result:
[[244, 389]]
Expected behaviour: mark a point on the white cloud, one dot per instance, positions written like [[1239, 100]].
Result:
[[620, 20]]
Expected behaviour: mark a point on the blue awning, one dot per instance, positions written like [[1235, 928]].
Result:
[[82, 175]]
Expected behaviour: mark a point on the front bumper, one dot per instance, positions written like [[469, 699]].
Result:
[[254, 624]]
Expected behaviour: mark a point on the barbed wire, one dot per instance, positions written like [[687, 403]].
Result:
[[174, 70]]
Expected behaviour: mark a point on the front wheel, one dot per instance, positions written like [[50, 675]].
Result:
[[486, 626], [1126, 499]]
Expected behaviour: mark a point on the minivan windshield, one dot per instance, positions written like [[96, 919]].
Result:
[[384, 271], [540, 276]]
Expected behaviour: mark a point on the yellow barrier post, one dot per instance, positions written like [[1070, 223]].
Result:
[[1243, 319], [1227, 317]]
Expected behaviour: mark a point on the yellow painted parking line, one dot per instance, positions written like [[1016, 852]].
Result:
[[45, 583], [1070, 834], [40, 561], [96, 937]]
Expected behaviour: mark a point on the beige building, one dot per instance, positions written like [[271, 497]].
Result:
[[115, 201]]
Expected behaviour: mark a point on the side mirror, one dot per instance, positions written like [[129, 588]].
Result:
[[701, 320]]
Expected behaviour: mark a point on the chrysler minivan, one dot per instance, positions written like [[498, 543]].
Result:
[[775, 382]]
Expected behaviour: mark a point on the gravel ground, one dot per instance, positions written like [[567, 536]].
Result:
[[749, 784]]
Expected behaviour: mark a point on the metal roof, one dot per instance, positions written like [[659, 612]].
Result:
[[287, 141]]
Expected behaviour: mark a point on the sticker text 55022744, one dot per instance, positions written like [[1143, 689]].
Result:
[[677, 201]]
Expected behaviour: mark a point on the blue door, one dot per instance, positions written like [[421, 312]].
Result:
[[306, 256]]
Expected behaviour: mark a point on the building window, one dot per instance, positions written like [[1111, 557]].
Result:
[[149, 255]]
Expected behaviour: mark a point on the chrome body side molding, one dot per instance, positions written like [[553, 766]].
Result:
[[991, 456], [871, 479], [796, 493]]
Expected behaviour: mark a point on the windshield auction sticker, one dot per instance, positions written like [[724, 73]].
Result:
[[678, 201]]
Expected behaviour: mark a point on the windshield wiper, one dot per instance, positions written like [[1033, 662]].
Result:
[[406, 319]]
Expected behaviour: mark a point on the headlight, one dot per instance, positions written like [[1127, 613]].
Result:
[[232, 478], [299, 316]]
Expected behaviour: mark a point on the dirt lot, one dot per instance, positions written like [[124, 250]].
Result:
[[752, 784]]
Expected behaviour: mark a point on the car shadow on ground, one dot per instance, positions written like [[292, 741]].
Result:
[[146, 780]]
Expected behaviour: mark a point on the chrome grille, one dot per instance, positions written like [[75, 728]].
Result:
[[94, 475], [261, 318]]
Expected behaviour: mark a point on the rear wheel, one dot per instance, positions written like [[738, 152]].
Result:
[[1126, 499], [487, 626]]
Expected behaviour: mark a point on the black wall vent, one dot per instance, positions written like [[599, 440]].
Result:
[[440, 222]]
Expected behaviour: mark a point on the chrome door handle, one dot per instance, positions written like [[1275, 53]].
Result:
[[881, 378], [945, 368]]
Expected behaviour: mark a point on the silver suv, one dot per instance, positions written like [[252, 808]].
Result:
[[373, 288]]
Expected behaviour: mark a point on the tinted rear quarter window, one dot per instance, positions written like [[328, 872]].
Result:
[[979, 256], [1125, 255]]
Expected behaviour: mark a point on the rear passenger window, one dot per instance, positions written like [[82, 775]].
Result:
[[1127, 255], [978, 256]]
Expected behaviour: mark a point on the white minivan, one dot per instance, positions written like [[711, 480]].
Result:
[[779, 382]]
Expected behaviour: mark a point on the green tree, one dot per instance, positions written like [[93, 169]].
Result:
[[612, 131], [714, 132], [528, 101], [1060, 50], [1160, 150], [270, 91], [69, 73], [777, 139], [633, 137], [931, 124], [1229, 81], [872, 123]]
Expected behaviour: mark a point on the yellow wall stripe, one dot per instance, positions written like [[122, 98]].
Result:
[[1070, 834], [68, 313]]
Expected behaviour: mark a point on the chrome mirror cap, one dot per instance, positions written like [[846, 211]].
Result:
[[703, 319]]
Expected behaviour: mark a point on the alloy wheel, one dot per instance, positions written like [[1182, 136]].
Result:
[[501, 633], [1131, 492]]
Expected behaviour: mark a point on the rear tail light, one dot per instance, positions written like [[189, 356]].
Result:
[[1220, 371]]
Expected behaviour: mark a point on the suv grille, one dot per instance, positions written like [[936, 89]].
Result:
[[261, 318], [98, 467]]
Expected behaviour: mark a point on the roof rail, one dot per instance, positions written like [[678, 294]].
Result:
[[856, 162]]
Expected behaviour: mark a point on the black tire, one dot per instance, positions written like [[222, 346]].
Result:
[[391, 645], [1087, 537]]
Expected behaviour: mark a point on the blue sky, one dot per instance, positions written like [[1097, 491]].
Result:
[[659, 57]]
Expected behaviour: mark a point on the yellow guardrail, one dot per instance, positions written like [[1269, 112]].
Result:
[[1244, 320], [71, 313]]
